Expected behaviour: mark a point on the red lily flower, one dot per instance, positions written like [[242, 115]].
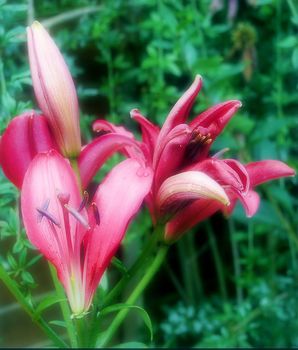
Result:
[[180, 148], [79, 241]]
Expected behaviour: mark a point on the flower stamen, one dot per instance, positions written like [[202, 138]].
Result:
[[77, 216], [84, 201], [96, 213], [43, 212]]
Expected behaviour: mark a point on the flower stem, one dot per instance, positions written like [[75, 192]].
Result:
[[151, 271], [15, 291], [138, 265], [218, 263], [81, 331], [64, 308]]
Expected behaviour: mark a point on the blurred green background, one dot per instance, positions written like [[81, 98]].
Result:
[[229, 282]]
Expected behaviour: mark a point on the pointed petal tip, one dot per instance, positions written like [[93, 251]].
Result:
[[134, 112], [238, 104], [198, 81]]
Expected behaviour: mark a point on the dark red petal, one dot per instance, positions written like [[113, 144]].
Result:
[[149, 131], [267, 170], [190, 216], [179, 112]]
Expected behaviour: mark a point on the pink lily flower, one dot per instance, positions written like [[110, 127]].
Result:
[[178, 150], [25, 136], [54, 89], [78, 239], [29, 134]]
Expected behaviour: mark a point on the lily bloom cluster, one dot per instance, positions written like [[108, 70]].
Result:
[[171, 168]]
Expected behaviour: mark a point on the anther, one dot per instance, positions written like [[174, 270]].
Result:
[[84, 201], [77, 216], [49, 216], [196, 143], [44, 208], [96, 213]]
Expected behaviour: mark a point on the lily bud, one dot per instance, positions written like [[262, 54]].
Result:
[[182, 189], [54, 89]]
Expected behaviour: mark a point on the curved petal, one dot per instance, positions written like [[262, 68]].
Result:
[[179, 112], [172, 154], [227, 172], [149, 131], [214, 120], [218, 115], [54, 89], [188, 217], [241, 171], [48, 184], [102, 125], [25, 136], [96, 153], [267, 170], [250, 202], [186, 187], [118, 199]]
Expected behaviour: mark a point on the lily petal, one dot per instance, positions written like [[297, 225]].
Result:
[[214, 120], [267, 170], [218, 115], [179, 112], [102, 125], [172, 153], [250, 202], [96, 153], [189, 216], [48, 183], [54, 89], [227, 172], [186, 187], [25, 136], [149, 131], [118, 199]]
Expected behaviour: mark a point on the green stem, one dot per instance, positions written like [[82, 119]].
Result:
[[151, 271], [293, 8], [218, 263], [81, 331], [64, 308], [39, 321], [138, 265], [236, 261]]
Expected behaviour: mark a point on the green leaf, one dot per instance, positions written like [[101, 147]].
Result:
[[131, 345], [119, 265], [27, 277], [58, 323], [288, 42], [295, 58], [121, 306], [46, 303]]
